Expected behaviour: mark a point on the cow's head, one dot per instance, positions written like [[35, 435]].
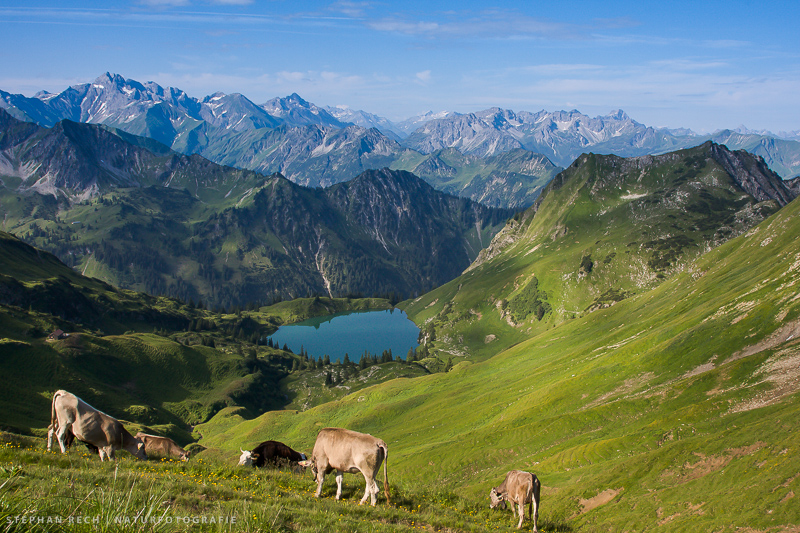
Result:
[[246, 459], [305, 463], [497, 499], [139, 453]]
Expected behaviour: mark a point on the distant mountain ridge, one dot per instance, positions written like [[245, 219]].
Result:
[[319, 146], [562, 136]]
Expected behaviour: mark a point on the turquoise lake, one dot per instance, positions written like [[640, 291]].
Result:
[[352, 334]]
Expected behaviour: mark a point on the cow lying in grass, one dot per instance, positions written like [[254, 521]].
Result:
[[518, 488]]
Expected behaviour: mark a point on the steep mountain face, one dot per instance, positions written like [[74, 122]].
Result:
[[235, 112], [508, 179], [368, 121], [603, 230], [180, 225], [76, 162], [383, 232], [413, 123], [294, 111], [781, 155], [314, 156]]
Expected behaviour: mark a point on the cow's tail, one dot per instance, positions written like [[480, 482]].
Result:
[[385, 470]]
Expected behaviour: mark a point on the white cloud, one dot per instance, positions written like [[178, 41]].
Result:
[[164, 3], [424, 76], [351, 9]]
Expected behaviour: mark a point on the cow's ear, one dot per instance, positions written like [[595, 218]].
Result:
[[255, 455]]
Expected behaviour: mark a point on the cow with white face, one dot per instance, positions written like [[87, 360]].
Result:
[[343, 450], [270, 452], [71, 414], [518, 488]]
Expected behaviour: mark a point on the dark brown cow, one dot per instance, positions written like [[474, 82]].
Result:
[[349, 451], [164, 446], [518, 488], [71, 414], [270, 451]]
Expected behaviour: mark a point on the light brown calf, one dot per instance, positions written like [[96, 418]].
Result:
[[519, 488], [164, 446]]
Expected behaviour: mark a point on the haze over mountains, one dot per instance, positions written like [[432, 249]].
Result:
[[318, 146]]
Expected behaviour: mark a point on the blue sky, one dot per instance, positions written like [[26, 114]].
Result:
[[702, 65]]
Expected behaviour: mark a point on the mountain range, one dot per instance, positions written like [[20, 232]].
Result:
[[320, 146], [131, 211]]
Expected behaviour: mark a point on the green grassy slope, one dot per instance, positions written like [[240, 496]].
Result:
[[145, 379], [606, 228], [674, 408]]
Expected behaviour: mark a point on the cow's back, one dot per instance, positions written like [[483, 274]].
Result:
[[345, 450], [520, 485], [88, 424]]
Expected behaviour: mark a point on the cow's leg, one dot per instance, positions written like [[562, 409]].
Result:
[[339, 476], [521, 506], [320, 479], [375, 491], [61, 435], [367, 491], [107, 452], [50, 432], [534, 512]]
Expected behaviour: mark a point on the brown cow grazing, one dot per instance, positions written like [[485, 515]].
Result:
[[164, 446], [518, 488], [349, 451], [70, 413], [270, 451], [69, 438]]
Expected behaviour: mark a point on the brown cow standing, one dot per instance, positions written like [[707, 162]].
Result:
[[71, 414], [349, 451], [156, 445], [519, 488]]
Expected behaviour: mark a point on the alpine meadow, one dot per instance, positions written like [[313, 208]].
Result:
[[612, 307]]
